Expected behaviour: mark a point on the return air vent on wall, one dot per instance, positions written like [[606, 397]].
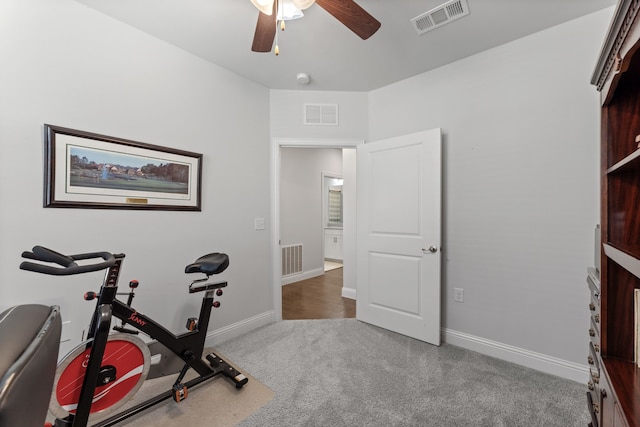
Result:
[[441, 15], [321, 114], [292, 259]]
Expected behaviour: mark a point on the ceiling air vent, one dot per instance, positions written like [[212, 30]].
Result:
[[441, 15], [321, 114]]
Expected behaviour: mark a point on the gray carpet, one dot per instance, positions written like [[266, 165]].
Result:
[[346, 373]]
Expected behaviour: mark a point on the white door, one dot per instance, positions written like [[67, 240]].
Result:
[[398, 212]]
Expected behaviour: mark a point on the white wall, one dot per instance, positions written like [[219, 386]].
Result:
[[67, 65], [301, 201], [521, 142], [287, 114]]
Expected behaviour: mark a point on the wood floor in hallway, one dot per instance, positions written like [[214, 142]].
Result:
[[317, 298]]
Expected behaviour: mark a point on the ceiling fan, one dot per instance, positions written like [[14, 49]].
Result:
[[348, 12]]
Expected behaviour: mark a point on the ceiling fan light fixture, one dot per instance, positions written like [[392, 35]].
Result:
[[264, 6], [287, 11], [348, 12], [303, 4]]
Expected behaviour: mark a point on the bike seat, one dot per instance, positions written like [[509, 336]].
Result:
[[209, 264]]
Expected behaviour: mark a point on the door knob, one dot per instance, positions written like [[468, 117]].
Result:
[[433, 249]]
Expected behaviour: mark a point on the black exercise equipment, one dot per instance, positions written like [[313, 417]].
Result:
[[107, 369]]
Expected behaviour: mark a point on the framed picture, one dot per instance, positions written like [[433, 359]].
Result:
[[87, 170]]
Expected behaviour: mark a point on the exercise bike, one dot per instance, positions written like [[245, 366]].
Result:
[[107, 369]]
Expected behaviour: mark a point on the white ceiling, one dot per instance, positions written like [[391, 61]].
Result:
[[221, 31]]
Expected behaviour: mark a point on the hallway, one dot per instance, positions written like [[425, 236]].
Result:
[[317, 298]]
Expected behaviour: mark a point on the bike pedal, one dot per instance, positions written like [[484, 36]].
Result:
[[179, 392]]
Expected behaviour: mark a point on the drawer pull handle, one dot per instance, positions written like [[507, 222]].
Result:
[[592, 332], [590, 360], [592, 306]]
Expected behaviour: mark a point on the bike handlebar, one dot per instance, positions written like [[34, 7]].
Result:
[[67, 263]]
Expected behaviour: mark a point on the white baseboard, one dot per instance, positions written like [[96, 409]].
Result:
[[302, 276], [348, 293], [530, 359], [239, 328]]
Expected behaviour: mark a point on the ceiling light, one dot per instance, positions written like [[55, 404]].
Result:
[[287, 11], [264, 6], [303, 4]]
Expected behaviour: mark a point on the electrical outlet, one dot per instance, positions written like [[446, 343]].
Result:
[[458, 294]]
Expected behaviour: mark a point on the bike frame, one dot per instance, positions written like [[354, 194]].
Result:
[[188, 346]]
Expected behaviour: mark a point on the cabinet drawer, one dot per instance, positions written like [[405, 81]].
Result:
[[595, 376], [594, 305], [595, 343], [593, 397], [594, 288], [594, 409], [593, 358], [595, 322], [594, 334], [333, 232]]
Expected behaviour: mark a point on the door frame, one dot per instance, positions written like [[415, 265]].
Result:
[[276, 256]]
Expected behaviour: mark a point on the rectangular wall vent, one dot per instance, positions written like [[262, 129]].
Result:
[[321, 114], [291, 259], [439, 16]]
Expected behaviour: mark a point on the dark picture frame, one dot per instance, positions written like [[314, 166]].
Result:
[[89, 170]]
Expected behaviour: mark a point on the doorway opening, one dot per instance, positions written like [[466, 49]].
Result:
[[349, 229], [311, 234]]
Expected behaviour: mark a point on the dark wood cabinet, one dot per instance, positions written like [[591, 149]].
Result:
[[614, 386]]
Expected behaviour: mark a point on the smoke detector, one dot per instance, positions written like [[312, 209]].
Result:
[[303, 78], [439, 16]]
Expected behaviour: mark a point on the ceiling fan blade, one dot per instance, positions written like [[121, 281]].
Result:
[[352, 16], [265, 32]]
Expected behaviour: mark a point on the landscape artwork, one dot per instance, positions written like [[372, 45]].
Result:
[[87, 170], [119, 171]]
